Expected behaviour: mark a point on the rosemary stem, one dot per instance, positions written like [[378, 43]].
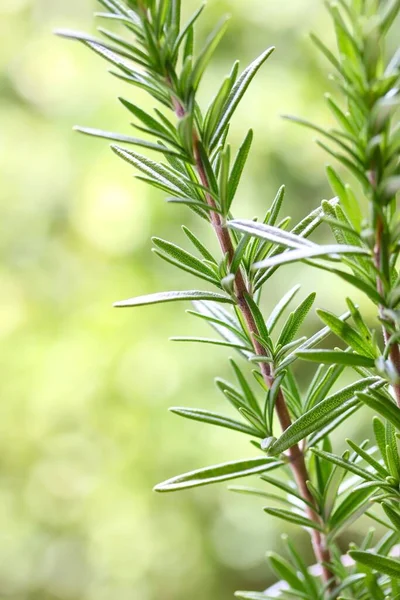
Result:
[[296, 456]]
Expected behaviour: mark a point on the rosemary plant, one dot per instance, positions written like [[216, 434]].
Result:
[[195, 166]]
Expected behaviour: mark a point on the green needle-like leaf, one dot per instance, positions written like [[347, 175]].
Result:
[[392, 514], [271, 234], [307, 253], [172, 297], [347, 333], [346, 465], [186, 29], [319, 416], [292, 517], [211, 418], [157, 172], [383, 564], [126, 139], [238, 166], [384, 407], [336, 357], [237, 94], [280, 307], [295, 320], [209, 49], [217, 473], [200, 340], [184, 257], [285, 571]]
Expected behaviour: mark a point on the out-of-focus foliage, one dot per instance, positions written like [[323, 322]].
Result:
[[84, 432]]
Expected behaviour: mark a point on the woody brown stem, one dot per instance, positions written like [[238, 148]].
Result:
[[295, 455]]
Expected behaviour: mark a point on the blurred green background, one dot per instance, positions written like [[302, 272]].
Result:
[[84, 427]]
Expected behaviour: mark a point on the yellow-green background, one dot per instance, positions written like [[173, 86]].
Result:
[[84, 427]]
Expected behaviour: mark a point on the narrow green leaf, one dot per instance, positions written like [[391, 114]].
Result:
[[215, 108], [328, 54], [176, 14], [286, 487], [306, 253], [295, 320], [354, 168], [211, 418], [340, 116], [358, 320], [156, 171], [237, 94], [214, 474], [210, 46], [216, 312], [336, 357], [314, 340], [323, 381], [252, 417], [292, 517], [258, 318], [199, 340], [280, 354], [390, 12], [172, 297], [240, 251], [280, 307], [246, 389], [298, 561], [345, 464], [150, 122], [368, 458], [271, 234], [184, 257], [206, 165], [238, 166], [331, 134], [346, 333], [224, 166], [140, 56], [241, 489], [384, 407], [382, 564], [380, 436], [189, 202], [285, 571], [337, 420], [126, 139], [218, 324], [320, 415], [392, 514], [304, 229], [351, 208], [117, 58], [96, 43], [276, 206], [197, 244], [186, 29]]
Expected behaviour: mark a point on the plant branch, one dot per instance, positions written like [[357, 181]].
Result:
[[295, 455], [379, 256], [199, 174]]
